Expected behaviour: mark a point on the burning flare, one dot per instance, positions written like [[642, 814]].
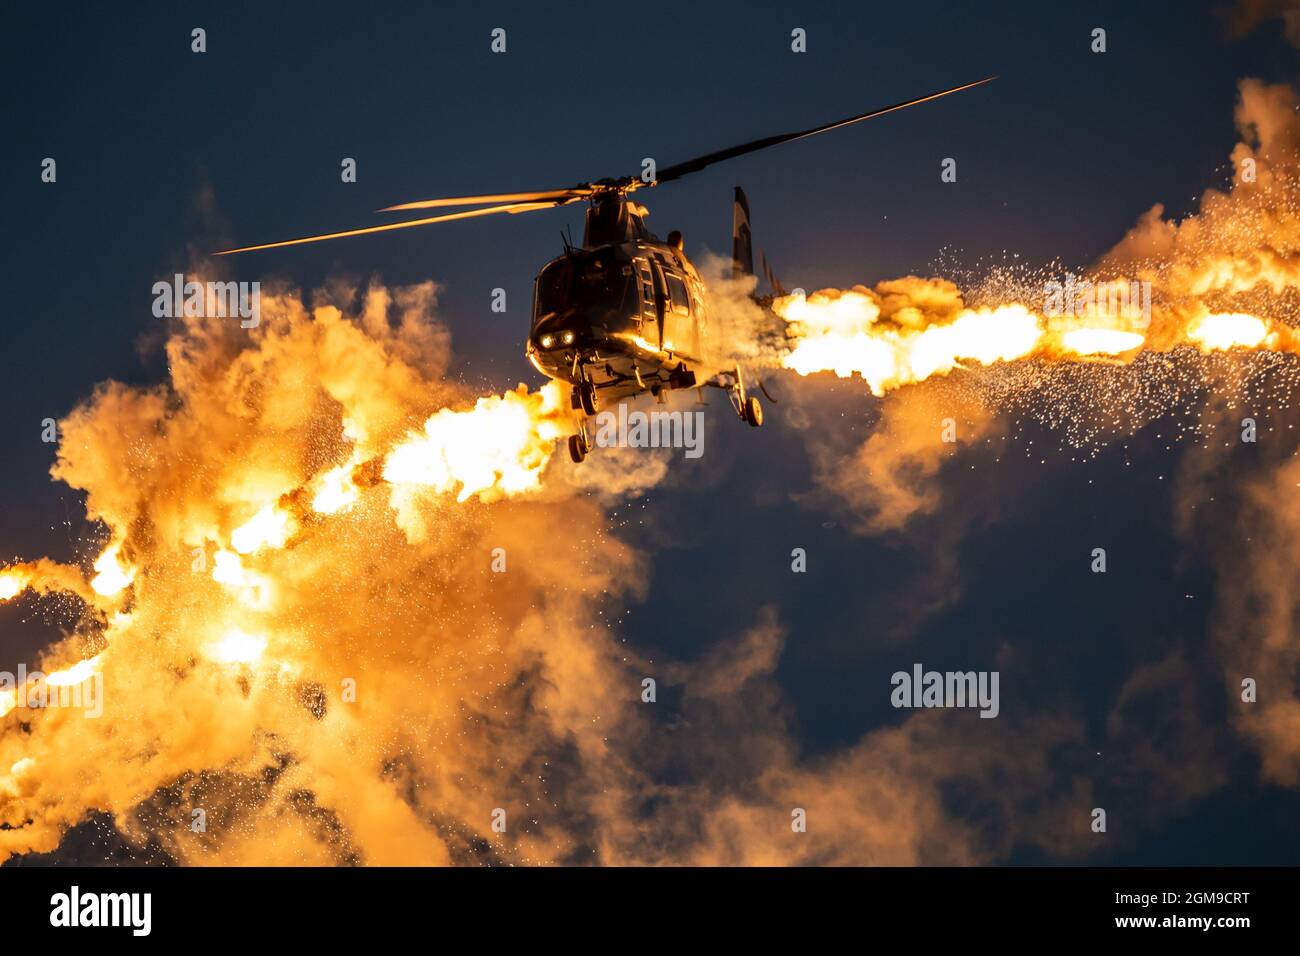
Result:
[[498, 448], [847, 332], [112, 577], [269, 528], [1221, 332]]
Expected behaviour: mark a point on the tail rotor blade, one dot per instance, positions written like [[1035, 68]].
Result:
[[772, 280]]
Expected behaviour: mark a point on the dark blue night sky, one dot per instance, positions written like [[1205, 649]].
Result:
[[162, 153]]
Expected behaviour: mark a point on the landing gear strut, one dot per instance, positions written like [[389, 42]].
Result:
[[583, 399]]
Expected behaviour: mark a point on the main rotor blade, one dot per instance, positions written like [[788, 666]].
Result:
[[407, 224], [555, 195], [695, 165]]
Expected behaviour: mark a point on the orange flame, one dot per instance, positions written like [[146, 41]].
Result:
[[113, 577], [498, 448], [843, 331]]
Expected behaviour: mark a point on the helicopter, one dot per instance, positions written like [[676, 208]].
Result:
[[626, 312]]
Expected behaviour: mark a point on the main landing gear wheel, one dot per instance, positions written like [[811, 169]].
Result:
[[586, 392], [753, 411], [578, 448]]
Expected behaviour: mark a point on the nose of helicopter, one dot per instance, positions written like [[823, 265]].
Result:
[[555, 340], [562, 330]]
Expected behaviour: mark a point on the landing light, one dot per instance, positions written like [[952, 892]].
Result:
[[546, 341], [567, 338]]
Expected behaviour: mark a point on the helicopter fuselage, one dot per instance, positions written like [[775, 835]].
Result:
[[626, 317]]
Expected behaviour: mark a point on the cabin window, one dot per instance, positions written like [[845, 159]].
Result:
[[647, 288], [677, 292]]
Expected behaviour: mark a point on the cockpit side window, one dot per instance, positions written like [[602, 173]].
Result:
[[552, 289]]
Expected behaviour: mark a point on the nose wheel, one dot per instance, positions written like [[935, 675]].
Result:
[[584, 396]]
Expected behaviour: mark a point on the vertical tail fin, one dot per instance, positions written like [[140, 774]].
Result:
[[742, 246]]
